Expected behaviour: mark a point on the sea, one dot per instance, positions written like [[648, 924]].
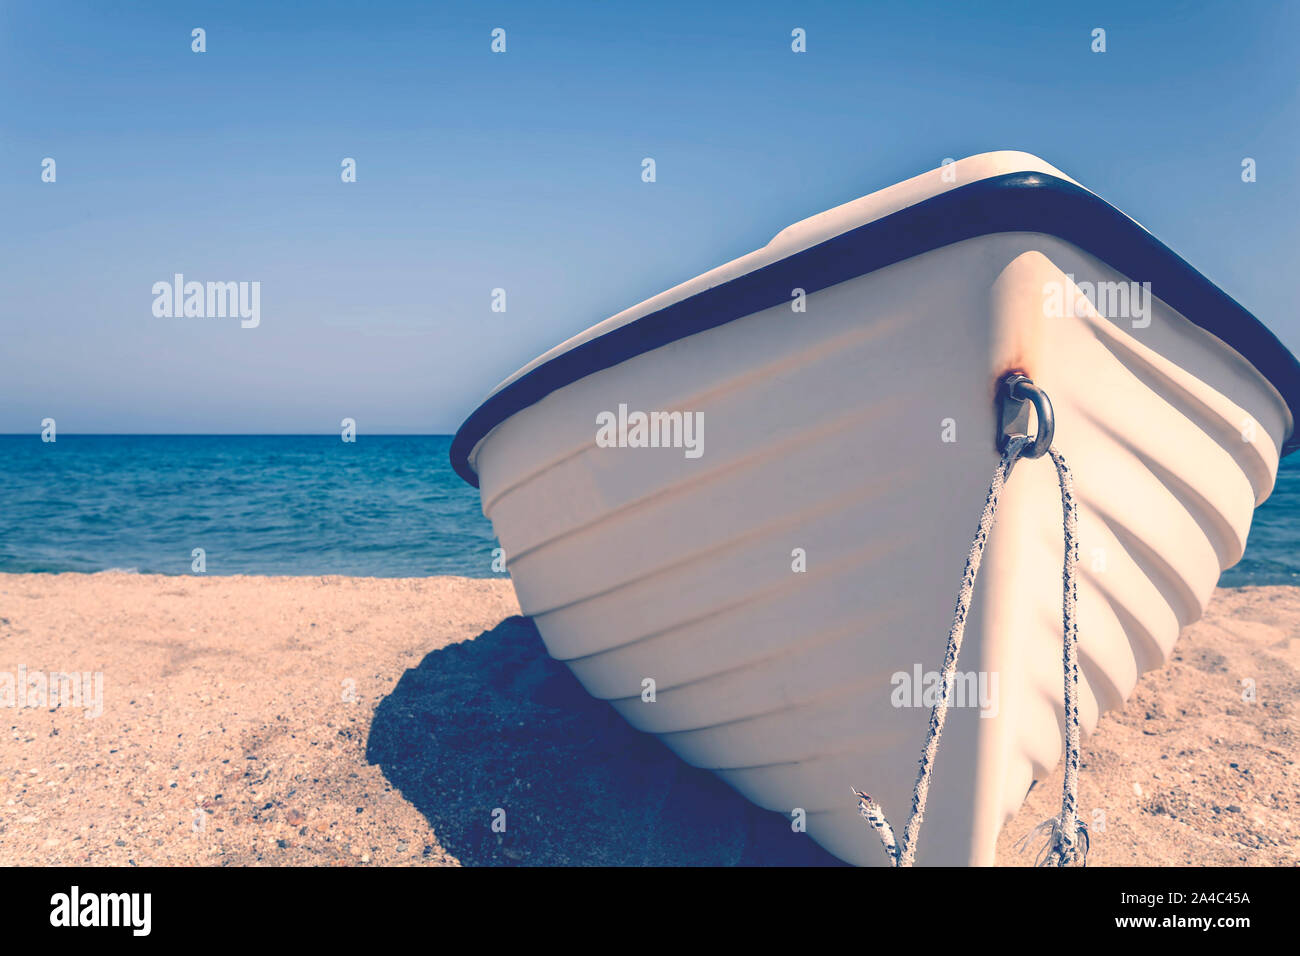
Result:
[[382, 506]]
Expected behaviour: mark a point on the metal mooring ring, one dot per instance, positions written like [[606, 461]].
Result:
[[1015, 394]]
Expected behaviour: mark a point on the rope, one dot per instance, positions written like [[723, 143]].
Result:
[[1066, 829]]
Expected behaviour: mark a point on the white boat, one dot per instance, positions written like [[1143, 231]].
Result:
[[861, 434]]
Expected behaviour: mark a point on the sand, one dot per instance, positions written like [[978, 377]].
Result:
[[327, 721], [1188, 773]]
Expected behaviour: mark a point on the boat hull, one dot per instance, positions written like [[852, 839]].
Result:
[[781, 592]]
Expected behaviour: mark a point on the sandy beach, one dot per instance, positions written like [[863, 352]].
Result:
[[365, 721]]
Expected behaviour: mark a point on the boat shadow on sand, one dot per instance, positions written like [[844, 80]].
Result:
[[495, 723]]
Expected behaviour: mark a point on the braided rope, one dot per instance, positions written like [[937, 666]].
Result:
[[874, 816], [1063, 846], [1065, 829]]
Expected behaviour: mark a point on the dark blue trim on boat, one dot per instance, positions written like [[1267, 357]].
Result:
[[1015, 202]]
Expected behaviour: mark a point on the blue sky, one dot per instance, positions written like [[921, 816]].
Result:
[[522, 170]]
